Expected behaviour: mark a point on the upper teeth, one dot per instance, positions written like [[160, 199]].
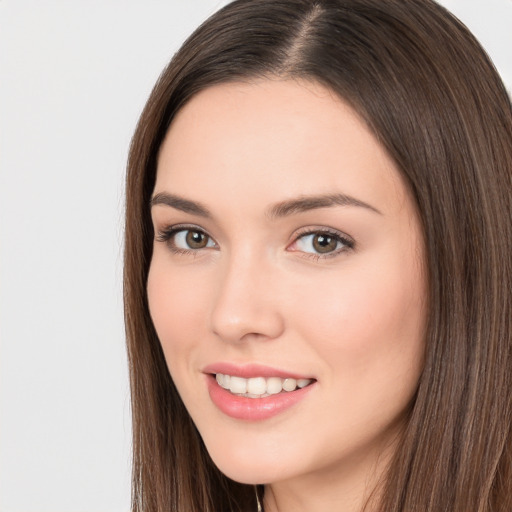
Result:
[[259, 387]]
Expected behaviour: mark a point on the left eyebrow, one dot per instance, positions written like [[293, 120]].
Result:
[[180, 203], [306, 203]]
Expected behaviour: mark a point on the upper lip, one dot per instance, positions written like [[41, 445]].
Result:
[[248, 371]]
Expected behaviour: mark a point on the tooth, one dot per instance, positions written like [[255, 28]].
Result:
[[256, 386], [259, 387], [302, 383], [238, 385], [274, 385], [223, 380], [289, 384]]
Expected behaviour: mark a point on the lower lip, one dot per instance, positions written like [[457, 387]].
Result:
[[253, 409]]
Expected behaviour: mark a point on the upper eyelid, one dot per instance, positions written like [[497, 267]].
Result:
[[298, 233], [330, 231], [182, 227], [176, 228]]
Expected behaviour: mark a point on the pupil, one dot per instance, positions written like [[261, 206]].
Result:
[[196, 240], [323, 243]]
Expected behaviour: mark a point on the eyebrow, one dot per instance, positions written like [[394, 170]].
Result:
[[180, 203], [278, 210], [306, 203]]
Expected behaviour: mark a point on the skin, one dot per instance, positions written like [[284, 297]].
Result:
[[258, 292]]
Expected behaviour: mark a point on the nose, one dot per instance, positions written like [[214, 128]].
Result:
[[245, 306]]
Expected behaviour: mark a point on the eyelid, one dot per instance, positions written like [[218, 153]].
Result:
[[166, 234], [347, 241]]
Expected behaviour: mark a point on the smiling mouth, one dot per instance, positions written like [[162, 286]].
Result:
[[259, 387]]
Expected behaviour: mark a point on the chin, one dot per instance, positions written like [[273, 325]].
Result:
[[250, 468], [248, 474]]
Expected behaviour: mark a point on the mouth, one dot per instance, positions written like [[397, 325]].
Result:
[[254, 392], [259, 387]]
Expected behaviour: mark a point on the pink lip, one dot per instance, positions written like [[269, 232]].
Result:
[[252, 409], [250, 370]]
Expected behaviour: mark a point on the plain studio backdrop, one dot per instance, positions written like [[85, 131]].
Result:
[[74, 76]]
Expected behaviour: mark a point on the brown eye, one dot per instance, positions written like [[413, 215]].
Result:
[[196, 239], [323, 243], [183, 239]]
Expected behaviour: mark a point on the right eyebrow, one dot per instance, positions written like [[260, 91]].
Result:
[[306, 203], [179, 203]]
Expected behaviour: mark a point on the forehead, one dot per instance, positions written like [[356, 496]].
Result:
[[275, 139]]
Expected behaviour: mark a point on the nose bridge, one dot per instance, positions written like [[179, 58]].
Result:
[[245, 303]]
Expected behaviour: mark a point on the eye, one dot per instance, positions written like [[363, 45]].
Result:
[[192, 239], [322, 243], [181, 239]]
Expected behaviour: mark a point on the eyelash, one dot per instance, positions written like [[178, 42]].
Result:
[[347, 242], [166, 235]]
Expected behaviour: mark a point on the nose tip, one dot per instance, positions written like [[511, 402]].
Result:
[[246, 308], [243, 324]]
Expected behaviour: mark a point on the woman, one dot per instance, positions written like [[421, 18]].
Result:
[[318, 274]]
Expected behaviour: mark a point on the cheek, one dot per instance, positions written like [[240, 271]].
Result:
[[366, 321], [177, 308]]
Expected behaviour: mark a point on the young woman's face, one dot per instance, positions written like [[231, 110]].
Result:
[[288, 254]]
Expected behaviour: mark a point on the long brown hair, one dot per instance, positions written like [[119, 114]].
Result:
[[433, 99]]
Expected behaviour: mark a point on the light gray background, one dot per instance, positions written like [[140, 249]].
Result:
[[74, 76]]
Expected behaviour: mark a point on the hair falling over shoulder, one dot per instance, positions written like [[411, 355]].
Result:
[[433, 99]]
